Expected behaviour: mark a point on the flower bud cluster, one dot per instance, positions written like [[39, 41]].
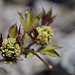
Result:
[[45, 34], [10, 48]]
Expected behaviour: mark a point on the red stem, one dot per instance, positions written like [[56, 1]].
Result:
[[49, 66]]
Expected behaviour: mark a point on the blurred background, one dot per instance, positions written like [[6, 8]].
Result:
[[64, 36]]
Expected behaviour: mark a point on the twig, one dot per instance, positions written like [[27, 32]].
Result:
[[48, 65]]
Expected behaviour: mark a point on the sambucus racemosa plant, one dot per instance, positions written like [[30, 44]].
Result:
[[15, 44]]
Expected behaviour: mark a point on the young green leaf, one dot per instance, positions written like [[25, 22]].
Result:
[[19, 58], [28, 20], [26, 37], [13, 31], [5, 62], [29, 17], [11, 63], [34, 22], [51, 53], [30, 54], [22, 21], [49, 48]]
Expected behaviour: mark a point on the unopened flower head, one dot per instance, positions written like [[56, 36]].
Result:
[[10, 48], [45, 34]]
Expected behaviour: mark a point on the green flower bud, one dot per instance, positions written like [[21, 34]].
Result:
[[10, 48], [45, 34]]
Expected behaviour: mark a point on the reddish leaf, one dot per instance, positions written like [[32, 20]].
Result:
[[48, 16], [51, 20], [19, 39], [49, 13], [35, 33], [43, 16], [19, 29], [1, 39]]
